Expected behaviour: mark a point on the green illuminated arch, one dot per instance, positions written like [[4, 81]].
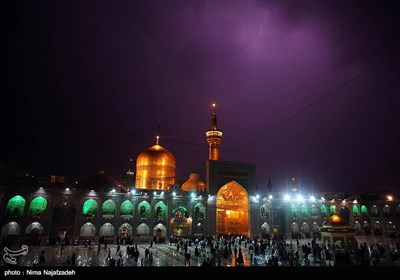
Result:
[[374, 211], [293, 211], [364, 210], [304, 210], [264, 211], [160, 210], [356, 211], [180, 212], [127, 208], [109, 207], [90, 208], [199, 211], [332, 209], [386, 211], [324, 211], [144, 210], [314, 210], [16, 206], [38, 206]]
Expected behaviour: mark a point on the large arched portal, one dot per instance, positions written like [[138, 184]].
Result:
[[232, 209], [62, 223]]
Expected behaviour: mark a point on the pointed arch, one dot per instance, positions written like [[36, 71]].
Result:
[[324, 211], [107, 229], [38, 206], [344, 213], [127, 208], [34, 226], [89, 208], [144, 210], [126, 228], [232, 209], [356, 211], [364, 211], [386, 211], [332, 209], [304, 210], [88, 230], [143, 230], [266, 227], [16, 206], [357, 225], [305, 227], [160, 231], [294, 227], [108, 208], [180, 212], [293, 211], [12, 228], [264, 211], [314, 211], [160, 210], [374, 211], [315, 226], [63, 219], [199, 211]]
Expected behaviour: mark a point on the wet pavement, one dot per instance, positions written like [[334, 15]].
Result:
[[164, 255]]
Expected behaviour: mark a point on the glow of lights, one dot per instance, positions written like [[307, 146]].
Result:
[[155, 193], [257, 196], [355, 201], [286, 197], [91, 190], [133, 192], [312, 198], [67, 189], [162, 193], [113, 190], [335, 218], [228, 212], [389, 197], [270, 196], [193, 195], [323, 198], [199, 224], [174, 194], [299, 197]]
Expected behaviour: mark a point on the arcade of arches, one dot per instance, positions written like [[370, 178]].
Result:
[[232, 209]]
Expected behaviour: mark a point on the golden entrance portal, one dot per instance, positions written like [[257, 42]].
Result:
[[232, 209]]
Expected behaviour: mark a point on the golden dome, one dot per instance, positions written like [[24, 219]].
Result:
[[193, 184], [155, 169]]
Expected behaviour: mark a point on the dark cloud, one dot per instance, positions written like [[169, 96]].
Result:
[[87, 83]]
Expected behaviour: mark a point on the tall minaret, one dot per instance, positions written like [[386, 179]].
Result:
[[214, 138]]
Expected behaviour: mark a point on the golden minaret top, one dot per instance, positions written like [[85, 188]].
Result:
[[214, 137]]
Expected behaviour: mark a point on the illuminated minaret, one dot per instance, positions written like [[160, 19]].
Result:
[[214, 138], [294, 187]]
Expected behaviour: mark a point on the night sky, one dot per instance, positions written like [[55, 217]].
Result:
[[304, 89]]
